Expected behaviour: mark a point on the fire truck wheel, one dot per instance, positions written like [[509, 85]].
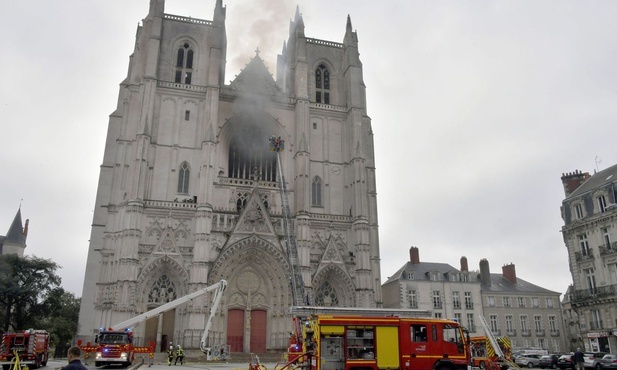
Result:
[[6, 367], [97, 364], [482, 365]]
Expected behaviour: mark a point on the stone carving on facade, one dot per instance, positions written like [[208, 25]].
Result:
[[331, 281], [163, 291], [254, 218]]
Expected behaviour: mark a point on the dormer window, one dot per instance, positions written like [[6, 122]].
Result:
[[578, 211], [602, 204], [322, 85], [184, 64]]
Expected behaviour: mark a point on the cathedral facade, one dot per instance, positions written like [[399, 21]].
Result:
[[188, 193]]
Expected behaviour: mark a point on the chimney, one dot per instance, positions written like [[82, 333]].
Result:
[[485, 273], [26, 229], [414, 255], [509, 273], [571, 181], [464, 266]]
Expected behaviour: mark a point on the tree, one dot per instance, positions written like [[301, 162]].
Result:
[[25, 285], [63, 314]]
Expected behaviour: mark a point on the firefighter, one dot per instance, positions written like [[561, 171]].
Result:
[[170, 355], [179, 355]]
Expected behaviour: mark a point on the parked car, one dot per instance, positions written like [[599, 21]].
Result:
[[528, 360], [592, 359], [548, 361], [566, 362], [609, 361]]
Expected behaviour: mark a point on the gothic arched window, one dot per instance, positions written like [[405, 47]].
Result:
[[250, 159], [163, 291], [184, 64], [326, 296], [316, 191], [184, 175], [322, 85]]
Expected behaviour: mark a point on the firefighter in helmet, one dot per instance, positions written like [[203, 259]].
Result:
[[170, 354], [179, 355]]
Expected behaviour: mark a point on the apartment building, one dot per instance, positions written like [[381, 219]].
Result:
[[589, 212], [526, 313]]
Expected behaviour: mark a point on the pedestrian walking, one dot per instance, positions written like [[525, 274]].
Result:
[[579, 359]]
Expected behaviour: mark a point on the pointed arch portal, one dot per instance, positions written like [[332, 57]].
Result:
[[257, 294]]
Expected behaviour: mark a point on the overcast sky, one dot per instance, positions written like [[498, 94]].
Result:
[[477, 108]]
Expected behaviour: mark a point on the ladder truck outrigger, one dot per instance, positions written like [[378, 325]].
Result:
[[115, 345]]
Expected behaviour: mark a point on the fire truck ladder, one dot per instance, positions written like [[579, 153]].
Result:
[[297, 285], [495, 344]]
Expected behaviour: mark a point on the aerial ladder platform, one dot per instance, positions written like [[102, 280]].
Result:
[[299, 297]]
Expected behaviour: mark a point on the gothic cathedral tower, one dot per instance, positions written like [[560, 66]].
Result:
[[189, 194]]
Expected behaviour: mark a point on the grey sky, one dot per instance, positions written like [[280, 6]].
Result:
[[477, 108]]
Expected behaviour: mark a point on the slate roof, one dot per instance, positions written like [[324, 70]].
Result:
[[499, 284], [421, 269], [15, 235], [597, 180], [16, 231]]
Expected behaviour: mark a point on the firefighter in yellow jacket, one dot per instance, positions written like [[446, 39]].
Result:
[[179, 355], [170, 355]]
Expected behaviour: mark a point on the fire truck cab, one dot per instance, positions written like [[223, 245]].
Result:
[[115, 347], [350, 342]]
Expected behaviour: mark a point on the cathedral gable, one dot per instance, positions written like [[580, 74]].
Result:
[[166, 238], [256, 78], [331, 253], [254, 219]]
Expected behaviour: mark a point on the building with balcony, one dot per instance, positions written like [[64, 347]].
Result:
[[589, 212], [512, 307]]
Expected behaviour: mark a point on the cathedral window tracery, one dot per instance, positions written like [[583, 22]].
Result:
[[163, 291], [316, 191], [184, 175], [184, 64], [326, 296], [322, 85]]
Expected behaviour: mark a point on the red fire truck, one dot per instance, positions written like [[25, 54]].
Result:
[[32, 347], [361, 342], [115, 345]]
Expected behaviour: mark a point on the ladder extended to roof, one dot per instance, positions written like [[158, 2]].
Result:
[[297, 284]]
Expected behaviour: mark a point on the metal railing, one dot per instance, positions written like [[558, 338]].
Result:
[[582, 295], [608, 249], [580, 256]]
